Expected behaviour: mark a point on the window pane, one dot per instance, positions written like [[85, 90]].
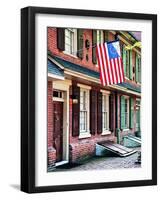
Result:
[[69, 40], [83, 110], [105, 113]]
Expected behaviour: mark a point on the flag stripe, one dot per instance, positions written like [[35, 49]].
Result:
[[100, 65], [117, 68], [116, 73], [113, 71], [120, 75], [105, 64], [109, 66], [110, 63], [122, 69]]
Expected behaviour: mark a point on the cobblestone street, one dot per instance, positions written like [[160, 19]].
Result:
[[107, 163]]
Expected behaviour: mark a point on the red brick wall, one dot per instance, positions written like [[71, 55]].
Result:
[[52, 46], [51, 150], [82, 148], [50, 114]]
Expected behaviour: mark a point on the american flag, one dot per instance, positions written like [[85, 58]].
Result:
[[110, 63]]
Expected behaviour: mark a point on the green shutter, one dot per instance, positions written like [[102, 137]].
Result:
[[136, 70], [130, 66], [122, 108], [80, 43], [131, 113], [139, 69], [94, 42], [124, 60], [138, 116]]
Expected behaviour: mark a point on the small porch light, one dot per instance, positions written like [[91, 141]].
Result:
[[74, 99]]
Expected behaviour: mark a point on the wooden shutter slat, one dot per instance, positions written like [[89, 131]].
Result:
[[136, 69], [139, 69], [94, 42], [122, 108], [131, 65], [80, 43], [61, 39], [124, 60], [99, 112], [93, 111], [75, 110], [131, 104], [111, 112]]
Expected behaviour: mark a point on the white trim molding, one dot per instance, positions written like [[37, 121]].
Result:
[[84, 86], [83, 135], [53, 76], [105, 91], [64, 86], [106, 132]]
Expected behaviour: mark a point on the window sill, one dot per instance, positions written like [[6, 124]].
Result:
[[69, 54], [84, 135], [126, 129], [106, 132]]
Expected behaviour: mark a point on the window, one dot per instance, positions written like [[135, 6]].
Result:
[[99, 36], [124, 112], [84, 110], [139, 69], [57, 94], [137, 115], [127, 62], [105, 112], [71, 41]]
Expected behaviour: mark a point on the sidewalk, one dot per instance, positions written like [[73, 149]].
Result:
[[107, 163]]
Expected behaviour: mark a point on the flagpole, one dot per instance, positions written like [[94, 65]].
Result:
[[73, 52]]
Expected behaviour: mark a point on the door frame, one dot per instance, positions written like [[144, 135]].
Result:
[[64, 87]]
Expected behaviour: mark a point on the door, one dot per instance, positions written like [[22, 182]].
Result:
[[58, 129]]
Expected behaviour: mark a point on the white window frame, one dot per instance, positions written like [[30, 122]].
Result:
[[105, 131], [102, 38], [85, 133], [73, 52]]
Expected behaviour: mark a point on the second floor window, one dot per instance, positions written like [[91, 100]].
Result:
[[138, 69], [99, 36], [71, 41], [127, 62]]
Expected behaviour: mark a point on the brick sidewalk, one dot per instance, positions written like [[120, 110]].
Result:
[[107, 163]]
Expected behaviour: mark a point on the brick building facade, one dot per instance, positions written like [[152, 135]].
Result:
[[82, 112]]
